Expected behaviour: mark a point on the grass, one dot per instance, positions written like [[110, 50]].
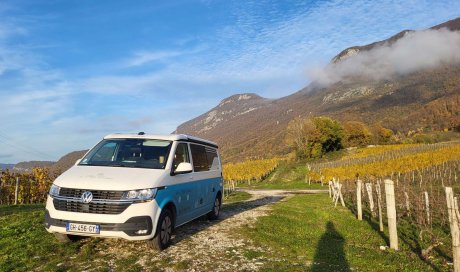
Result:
[[25, 245], [236, 196], [306, 233], [287, 176]]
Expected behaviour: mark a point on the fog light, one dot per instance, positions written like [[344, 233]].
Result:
[[144, 231]]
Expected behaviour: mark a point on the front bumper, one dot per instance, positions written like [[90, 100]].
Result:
[[139, 216], [130, 227]]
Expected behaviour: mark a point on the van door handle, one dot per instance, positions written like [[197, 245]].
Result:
[[191, 178]]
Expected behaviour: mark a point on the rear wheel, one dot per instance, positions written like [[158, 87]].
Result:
[[163, 232], [214, 214]]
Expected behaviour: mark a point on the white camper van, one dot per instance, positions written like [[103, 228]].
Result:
[[136, 187]]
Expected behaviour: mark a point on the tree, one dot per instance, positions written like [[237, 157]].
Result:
[[298, 134], [313, 137], [383, 134], [356, 134], [330, 133]]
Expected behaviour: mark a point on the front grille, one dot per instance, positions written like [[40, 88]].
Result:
[[92, 207], [97, 194]]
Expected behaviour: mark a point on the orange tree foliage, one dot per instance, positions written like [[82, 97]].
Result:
[[356, 134]]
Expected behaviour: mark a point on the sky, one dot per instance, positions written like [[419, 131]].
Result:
[[72, 72]]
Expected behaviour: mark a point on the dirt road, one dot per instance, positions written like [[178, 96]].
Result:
[[204, 245]]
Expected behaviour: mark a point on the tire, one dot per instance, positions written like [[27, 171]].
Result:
[[214, 213], [164, 230], [67, 238]]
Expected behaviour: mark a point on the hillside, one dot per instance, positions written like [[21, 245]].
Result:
[[66, 161], [4, 166], [56, 168], [247, 125], [27, 166]]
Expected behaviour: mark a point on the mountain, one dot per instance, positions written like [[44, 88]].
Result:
[[249, 126], [66, 161], [56, 168], [5, 166], [453, 25], [27, 166]]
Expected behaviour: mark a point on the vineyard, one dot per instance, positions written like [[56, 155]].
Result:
[[421, 174], [247, 172], [386, 161], [25, 188]]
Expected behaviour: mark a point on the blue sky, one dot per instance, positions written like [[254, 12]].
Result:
[[74, 71]]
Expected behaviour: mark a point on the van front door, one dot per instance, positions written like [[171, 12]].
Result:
[[184, 187]]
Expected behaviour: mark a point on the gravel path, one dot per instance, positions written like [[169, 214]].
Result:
[[204, 245]]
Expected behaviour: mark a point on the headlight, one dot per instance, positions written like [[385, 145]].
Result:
[[144, 194], [54, 190]]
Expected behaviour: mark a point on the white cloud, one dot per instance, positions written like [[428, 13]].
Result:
[[415, 51], [264, 49], [144, 57]]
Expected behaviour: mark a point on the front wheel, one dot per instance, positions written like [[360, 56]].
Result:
[[67, 238], [163, 232], [214, 214]]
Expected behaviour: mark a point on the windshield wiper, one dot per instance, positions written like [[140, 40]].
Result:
[[117, 165]]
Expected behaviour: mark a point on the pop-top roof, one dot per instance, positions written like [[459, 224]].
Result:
[[170, 137]]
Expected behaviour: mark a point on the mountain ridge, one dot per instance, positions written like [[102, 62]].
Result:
[[427, 100]]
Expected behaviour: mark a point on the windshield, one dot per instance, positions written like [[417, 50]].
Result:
[[138, 153]]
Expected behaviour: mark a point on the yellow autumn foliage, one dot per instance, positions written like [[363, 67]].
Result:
[[400, 164], [249, 170]]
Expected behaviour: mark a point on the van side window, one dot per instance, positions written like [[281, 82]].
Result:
[[213, 160], [200, 160], [181, 155], [204, 158]]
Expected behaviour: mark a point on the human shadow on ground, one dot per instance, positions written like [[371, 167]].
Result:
[[330, 254]]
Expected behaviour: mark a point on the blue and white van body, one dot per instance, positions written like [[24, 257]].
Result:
[[123, 185]]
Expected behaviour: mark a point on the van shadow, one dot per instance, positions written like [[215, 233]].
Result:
[[228, 211], [330, 254]]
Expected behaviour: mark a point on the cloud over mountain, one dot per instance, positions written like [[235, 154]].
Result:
[[415, 51]]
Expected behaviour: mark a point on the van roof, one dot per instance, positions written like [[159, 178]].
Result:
[[170, 137]]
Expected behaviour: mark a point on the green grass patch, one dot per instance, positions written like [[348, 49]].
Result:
[[287, 176], [236, 196], [25, 245], [306, 233], [11, 209]]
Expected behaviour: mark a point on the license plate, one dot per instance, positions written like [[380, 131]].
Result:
[[85, 228]]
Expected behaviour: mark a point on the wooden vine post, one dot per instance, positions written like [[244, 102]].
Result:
[[379, 204], [391, 213], [371, 198], [16, 191], [427, 208], [455, 232], [358, 200], [330, 188], [407, 203]]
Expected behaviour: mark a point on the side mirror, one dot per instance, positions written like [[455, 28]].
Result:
[[183, 168], [78, 161]]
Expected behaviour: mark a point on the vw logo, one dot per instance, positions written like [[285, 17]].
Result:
[[86, 197]]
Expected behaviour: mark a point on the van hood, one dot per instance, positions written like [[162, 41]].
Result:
[[109, 178]]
